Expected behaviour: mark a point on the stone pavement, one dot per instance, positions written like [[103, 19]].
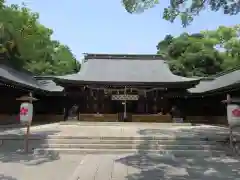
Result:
[[122, 130], [21, 167], [134, 166], [152, 167], [122, 167]]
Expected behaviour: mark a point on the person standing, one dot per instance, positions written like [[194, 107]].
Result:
[[176, 114]]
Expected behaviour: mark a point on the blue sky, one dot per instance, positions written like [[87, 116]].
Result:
[[103, 26]]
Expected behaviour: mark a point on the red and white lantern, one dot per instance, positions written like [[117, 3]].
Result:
[[233, 115], [26, 113]]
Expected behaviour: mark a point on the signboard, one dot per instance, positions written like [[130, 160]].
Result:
[[233, 115], [26, 113], [123, 97]]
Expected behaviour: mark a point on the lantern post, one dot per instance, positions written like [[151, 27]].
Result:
[[26, 114], [233, 116]]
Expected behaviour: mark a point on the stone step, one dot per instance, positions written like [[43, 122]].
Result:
[[42, 136], [167, 141], [13, 144], [21, 137], [194, 138], [215, 137], [102, 141], [114, 123], [111, 143], [133, 146], [176, 153]]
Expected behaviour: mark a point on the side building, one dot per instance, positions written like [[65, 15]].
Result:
[[15, 83], [204, 104]]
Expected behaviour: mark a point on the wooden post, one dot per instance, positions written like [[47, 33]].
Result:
[[28, 129], [228, 101], [231, 139], [125, 104], [26, 138], [29, 99]]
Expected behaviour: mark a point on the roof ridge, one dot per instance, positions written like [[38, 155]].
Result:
[[122, 56], [226, 72]]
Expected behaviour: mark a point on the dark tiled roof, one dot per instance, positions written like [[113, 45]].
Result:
[[26, 79], [221, 81], [49, 85], [125, 69], [22, 78]]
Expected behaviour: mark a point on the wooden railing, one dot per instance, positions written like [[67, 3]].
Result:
[[151, 118], [13, 119], [118, 117], [218, 120]]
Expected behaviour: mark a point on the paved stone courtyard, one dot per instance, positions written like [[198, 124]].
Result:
[[121, 167], [134, 166], [122, 130]]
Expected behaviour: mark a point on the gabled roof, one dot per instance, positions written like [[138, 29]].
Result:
[[26, 80], [220, 82], [126, 69]]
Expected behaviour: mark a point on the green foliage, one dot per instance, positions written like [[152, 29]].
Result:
[[206, 53], [25, 43], [138, 5], [227, 40], [184, 9]]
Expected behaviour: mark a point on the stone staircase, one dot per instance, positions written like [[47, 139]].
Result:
[[182, 146]]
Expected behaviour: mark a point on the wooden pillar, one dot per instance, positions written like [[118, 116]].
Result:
[[154, 102], [65, 108], [96, 99], [140, 108], [106, 102], [155, 96], [88, 101], [145, 103], [99, 107], [147, 107], [94, 94]]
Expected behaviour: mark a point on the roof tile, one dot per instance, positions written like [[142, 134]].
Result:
[[125, 70]]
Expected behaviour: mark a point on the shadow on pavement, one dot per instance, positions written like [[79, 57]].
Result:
[[154, 166], [12, 146], [189, 132], [3, 177]]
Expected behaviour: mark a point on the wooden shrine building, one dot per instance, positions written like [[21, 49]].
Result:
[[118, 88], [204, 103], [15, 83], [123, 88]]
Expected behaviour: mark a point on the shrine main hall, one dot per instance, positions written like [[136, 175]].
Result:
[[125, 87]]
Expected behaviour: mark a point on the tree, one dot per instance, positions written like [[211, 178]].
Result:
[[8, 46], [184, 9], [25, 43], [190, 55], [226, 40], [204, 53]]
